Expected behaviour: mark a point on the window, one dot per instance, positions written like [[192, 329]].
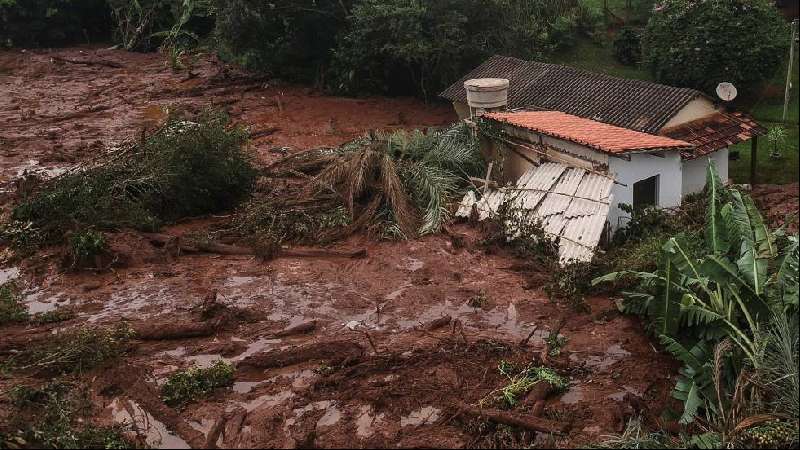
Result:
[[645, 193]]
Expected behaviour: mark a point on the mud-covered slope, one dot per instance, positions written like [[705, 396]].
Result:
[[383, 350]]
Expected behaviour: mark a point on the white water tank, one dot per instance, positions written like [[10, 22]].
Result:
[[487, 93]]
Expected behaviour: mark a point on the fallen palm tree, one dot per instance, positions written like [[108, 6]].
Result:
[[396, 185]]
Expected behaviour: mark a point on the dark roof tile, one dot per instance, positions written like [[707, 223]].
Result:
[[633, 104]]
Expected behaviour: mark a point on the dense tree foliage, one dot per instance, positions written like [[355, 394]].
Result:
[[410, 46], [291, 38], [628, 46], [52, 22], [702, 43]]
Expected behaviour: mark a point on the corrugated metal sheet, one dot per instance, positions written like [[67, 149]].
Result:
[[543, 178], [570, 203]]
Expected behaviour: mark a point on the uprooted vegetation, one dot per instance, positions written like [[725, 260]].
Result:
[[392, 185], [11, 308], [186, 168], [53, 416], [521, 382], [186, 386], [728, 311], [14, 311], [73, 351]]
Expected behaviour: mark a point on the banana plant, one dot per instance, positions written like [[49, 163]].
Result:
[[728, 291]]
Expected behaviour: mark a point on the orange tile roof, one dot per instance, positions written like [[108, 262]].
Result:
[[597, 135], [715, 132]]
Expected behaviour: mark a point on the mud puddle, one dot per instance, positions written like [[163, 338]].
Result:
[[130, 414]]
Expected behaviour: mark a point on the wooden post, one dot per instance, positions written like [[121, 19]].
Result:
[[753, 160]]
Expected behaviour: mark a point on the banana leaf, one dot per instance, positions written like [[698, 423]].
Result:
[[716, 230], [756, 247]]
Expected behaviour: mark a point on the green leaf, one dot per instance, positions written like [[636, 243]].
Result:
[[716, 230], [756, 248]]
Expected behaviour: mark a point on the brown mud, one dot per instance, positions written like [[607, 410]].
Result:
[[330, 352]]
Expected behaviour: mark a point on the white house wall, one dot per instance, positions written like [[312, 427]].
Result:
[[562, 151], [694, 171], [640, 167], [695, 109]]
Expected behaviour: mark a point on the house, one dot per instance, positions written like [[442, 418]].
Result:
[[651, 141]]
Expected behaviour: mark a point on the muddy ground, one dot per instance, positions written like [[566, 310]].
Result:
[[368, 370]]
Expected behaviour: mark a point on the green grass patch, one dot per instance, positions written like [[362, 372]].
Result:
[[769, 170], [768, 110], [187, 386], [189, 167]]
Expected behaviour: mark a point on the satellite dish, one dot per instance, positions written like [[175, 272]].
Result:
[[726, 91]]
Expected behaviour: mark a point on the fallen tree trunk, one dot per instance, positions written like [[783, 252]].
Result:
[[303, 328], [514, 420], [194, 246], [333, 352], [170, 331], [89, 62]]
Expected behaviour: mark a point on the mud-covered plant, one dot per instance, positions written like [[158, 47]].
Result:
[[190, 385], [12, 310], [514, 227], [571, 283], [74, 351], [55, 316], [270, 220], [186, 168], [85, 246], [555, 342], [478, 300], [522, 381], [54, 416], [634, 436], [399, 183]]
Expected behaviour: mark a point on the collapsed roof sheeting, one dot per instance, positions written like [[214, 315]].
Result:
[[570, 203]]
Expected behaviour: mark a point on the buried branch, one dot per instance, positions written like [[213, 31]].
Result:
[[514, 420]]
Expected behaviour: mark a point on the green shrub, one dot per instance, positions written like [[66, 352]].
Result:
[[187, 386], [702, 43], [628, 46], [35, 23], [186, 168], [53, 417], [143, 25], [12, 310], [85, 246]]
